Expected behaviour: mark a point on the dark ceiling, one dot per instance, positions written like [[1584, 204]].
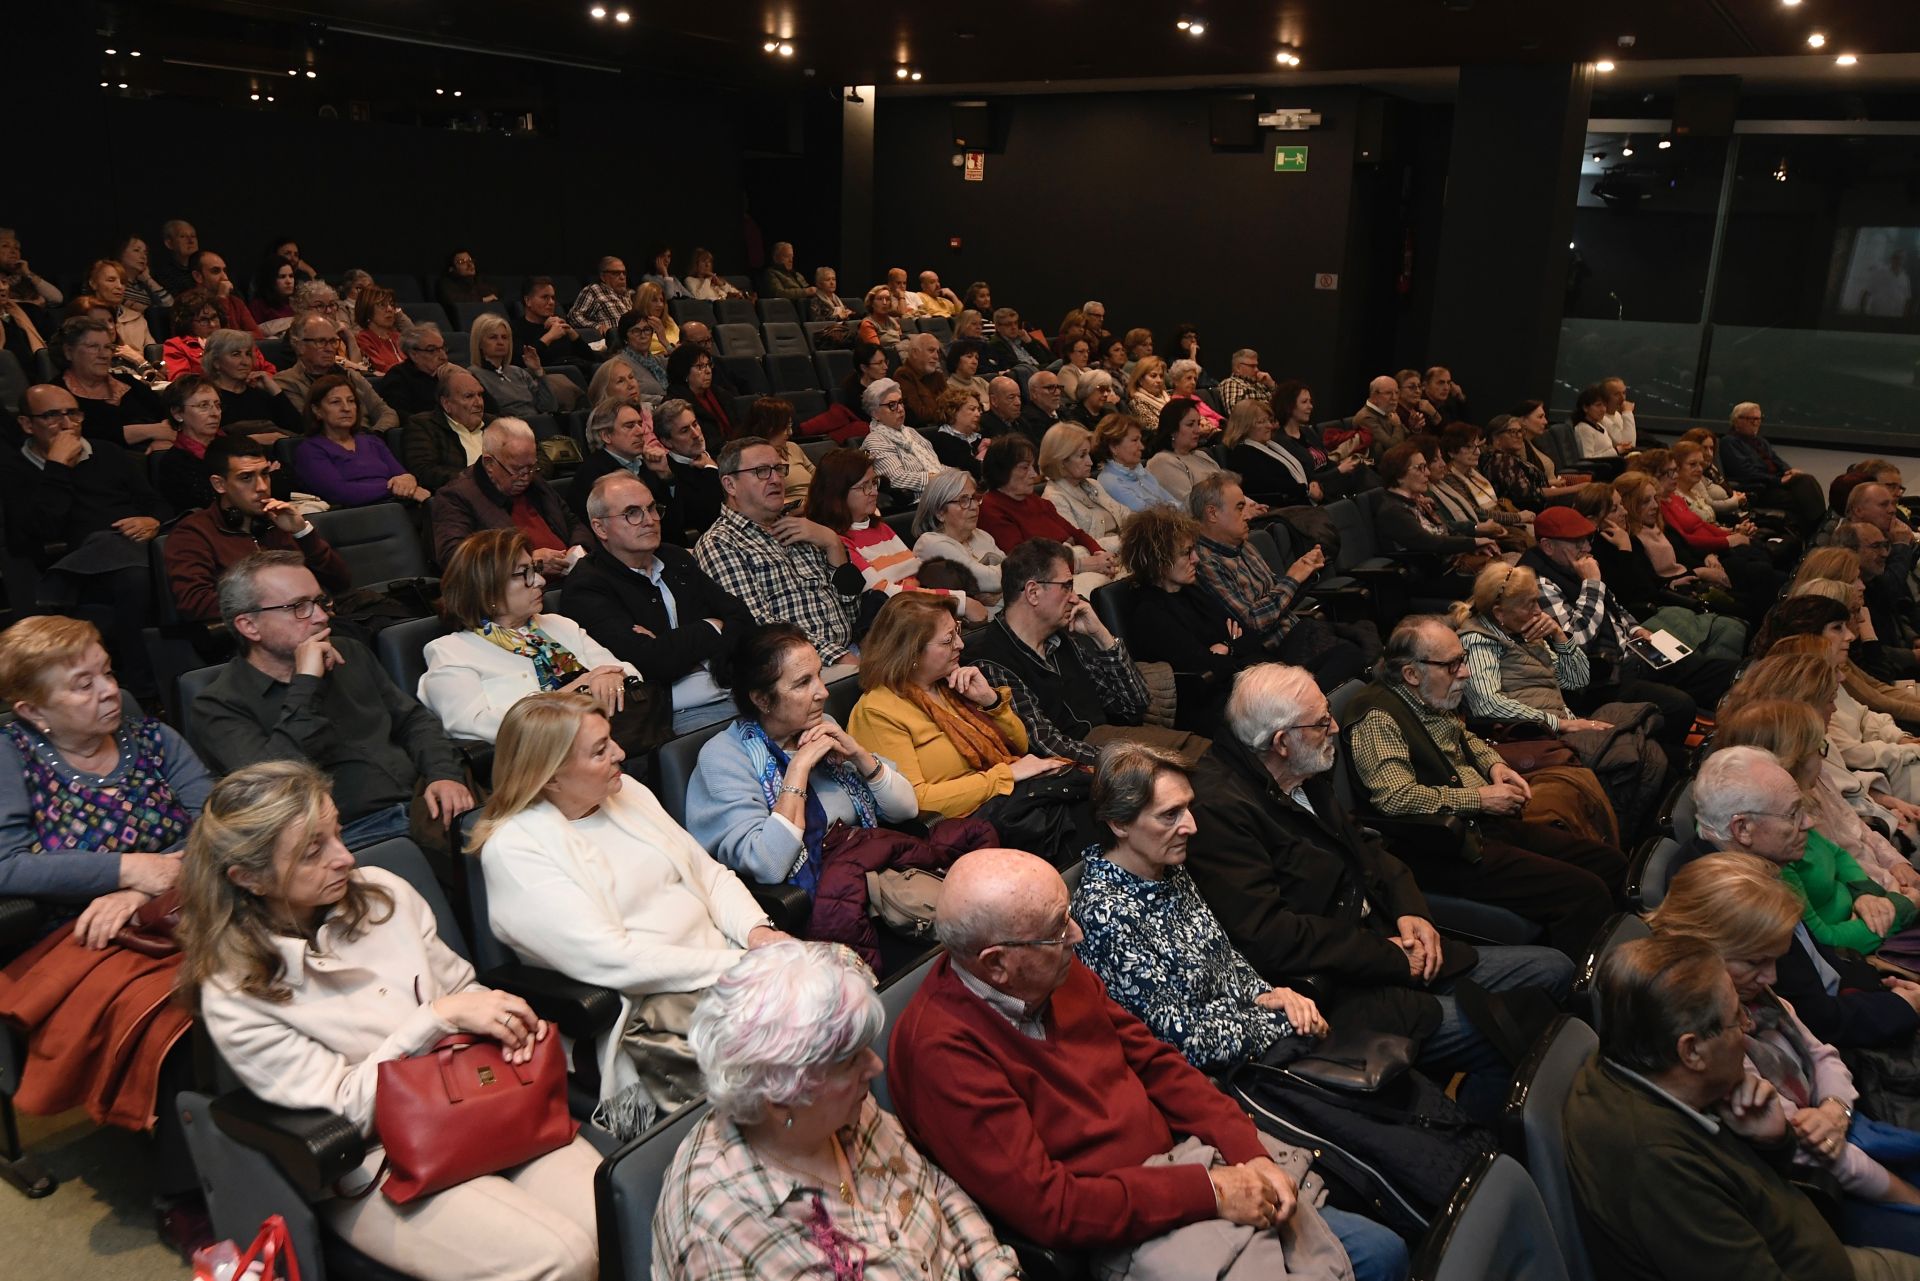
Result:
[[388, 56]]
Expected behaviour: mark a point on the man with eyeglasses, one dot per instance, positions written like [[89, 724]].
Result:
[[409, 387], [1301, 887], [1042, 409], [903, 457], [1755, 468], [1890, 604], [506, 490], [316, 348], [1679, 1154], [1414, 757], [785, 567], [650, 604], [297, 692], [209, 272], [243, 518], [1098, 1129], [601, 304], [1745, 802]]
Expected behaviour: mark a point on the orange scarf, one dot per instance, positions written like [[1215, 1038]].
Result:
[[968, 728]]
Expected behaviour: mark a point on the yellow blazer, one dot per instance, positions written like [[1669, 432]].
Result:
[[888, 725]]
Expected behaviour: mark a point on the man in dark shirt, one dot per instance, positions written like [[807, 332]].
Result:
[[921, 380], [1043, 405], [297, 692], [410, 387], [1003, 407], [540, 326], [505, 488]]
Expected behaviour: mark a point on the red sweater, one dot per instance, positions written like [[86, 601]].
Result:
[[1049, 1136], [1010, 523], [1686, 523]]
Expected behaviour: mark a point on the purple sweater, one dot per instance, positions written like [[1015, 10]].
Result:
[[345, 478]]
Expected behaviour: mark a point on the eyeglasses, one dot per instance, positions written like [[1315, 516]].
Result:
[[895, 403], [965, 500], [1322, 725], [319, 342], [1454, 665], [55, 415], [637, 515], [524, 469], [301, 609], [439, 350], [526, 575], [1794, 815], [1050, 582], [765, 470], [1065, 939]]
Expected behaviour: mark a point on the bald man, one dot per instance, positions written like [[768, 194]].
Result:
[[1003, 407], [1044, 396], [1012, 1036], [1378, 419]]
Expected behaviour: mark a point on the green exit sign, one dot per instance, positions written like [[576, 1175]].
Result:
[[1289, 159]]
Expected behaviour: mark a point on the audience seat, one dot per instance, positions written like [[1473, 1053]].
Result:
[[191, 686], [43, 370], [842, 694], [627, 1187], [276, 351], [378, 542], [748, 373], [778, 311], [21, 924], [787, 905], [1110, 603], [793, 373], [813, 329], [1535, 1133], [736, 311], [467, 312], [401, 649], [429, 313], [691, 310], [1653, 867], [786, 339], [566, 289], [807, 403], [743, 283], [1495, 1228], [835, 365], [940, 327], [1675, 815], [460, 346], [739, 340], [1623, 927], [13, 383], [406, 289]]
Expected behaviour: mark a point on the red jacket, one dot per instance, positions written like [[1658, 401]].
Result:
[[1011, 523], [1049, 1136], [1698, 534]]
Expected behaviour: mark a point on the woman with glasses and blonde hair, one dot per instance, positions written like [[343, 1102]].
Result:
[[588, 875], [946, 526], [309, 972], [504, 646], [1743, 907]]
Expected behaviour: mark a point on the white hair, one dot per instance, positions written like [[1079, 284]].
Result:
[[1181, 368], [1267, 698], [876, 392], [770, 1027], [1735, 780], [502, 432]]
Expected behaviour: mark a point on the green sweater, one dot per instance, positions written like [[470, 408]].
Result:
[[1828, 881]]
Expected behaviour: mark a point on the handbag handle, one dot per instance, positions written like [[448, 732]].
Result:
[[447, 1047], [267, 1246]]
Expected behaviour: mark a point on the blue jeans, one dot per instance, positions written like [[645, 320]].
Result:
[[1458, 1046], [381, 825], [1377, 1253]]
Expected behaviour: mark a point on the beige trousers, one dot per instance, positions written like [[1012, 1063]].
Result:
[[1878, 1264], [531, 1223]]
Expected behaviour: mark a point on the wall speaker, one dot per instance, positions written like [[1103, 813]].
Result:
[[1233, 122], [1706, 106]]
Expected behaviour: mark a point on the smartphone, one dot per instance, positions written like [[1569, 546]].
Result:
[[791, 508], [1653, 656]]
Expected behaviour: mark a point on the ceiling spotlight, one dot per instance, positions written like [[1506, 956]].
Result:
[[786, 50], [123, 84], [440, 92], [900, 73], [1780, 170], [768, 46], [1603, 66], [1626, 151], [1791, 4], [456, 93], [292, 72], [253, 97], [598, 11], [1665, 143], [1598, 156], [312, 74], [133, 53], [269, 97], [1816, 41], [1287, 58], [914, 76], [105, 85], [1197, 29], [112, 51], [621, 15], [1183, 24], [1847, 59]]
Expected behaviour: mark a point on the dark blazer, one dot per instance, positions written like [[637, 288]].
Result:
[[693, 500], [600, 463], [470, 503], [955, 452], [1399, 529], [1035, 423], [1304, 892], [609, 600], [434, 456], [408, 391], [1265, 478]]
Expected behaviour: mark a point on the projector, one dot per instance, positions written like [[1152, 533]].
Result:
[[1290, 118]]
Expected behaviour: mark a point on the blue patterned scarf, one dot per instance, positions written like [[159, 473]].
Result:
[[770, 763]]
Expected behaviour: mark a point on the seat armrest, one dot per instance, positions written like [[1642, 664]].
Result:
[[579, 1010], [1043, 1263], [1442, 833], [789, 906], [479, 756], [20, 923], [313, 1147]]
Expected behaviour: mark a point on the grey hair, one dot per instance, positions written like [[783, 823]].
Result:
[[1246, 353], [221, 343], [1267, 698], [729, 460], [444, 376], [356, 276], [414, 337], [502, 432], [313, 295], [666, 411], [483, 324], [1182, 367], [1404, 643], [1091, 381], [1002, 315], [1210, 491], [603, 417], [1732, 781], [599, 506], [172, 226], [606, 261], [768, 1031], [237, 593], [821, 273], [876, 392], [1744, 407], [1123, 782], [942, 488], [1847, 533], [965, 933], [1092, 302], [778, 245]]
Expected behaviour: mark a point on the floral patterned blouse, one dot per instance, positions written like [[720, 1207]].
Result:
[[1162, 954]]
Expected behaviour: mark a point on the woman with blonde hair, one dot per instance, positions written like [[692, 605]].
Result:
[[1066, 460], [956, 738], [1269, 473], [1520, 665], [309, 972], [1744, 909], [1147, 390], [586, 874], [518, 391], [651, 302], [1865, 739]]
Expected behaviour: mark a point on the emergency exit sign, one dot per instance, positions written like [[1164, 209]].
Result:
[[1289, 159]]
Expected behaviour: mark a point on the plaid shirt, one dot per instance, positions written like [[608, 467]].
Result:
[[1384, 767], [782, 584], [1593, 615], [1247, 586], [600, 306], [726, 1215], [1116, 682], [1233, 389]]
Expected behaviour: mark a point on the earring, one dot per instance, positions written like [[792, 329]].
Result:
[[789, 1122]]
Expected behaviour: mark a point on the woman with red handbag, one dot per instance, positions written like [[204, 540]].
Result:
[[310, 974]]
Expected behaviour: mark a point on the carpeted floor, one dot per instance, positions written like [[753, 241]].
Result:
[[99, 1223]]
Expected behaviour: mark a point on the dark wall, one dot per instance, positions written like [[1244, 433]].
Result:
[[387, 197], [1121, 197]]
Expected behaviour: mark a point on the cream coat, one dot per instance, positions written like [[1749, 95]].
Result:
[[471, 682]]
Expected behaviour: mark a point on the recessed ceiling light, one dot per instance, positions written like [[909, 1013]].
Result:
[[768, 46], [1816, 40], [1183, 24], [786, 50], [1665, 143], [456, 93], [900, 73], [113, 51], [1626, 151], [1598, 156], [253, 97], [1791, 4], [123, 84], [269, 97], [133, 53], [292, 72], [914, 76], [1847, 59], [440, 92], [621, 15], [598, 11], [1603, 66], [1197, 29], [105, 85], [313, 75]]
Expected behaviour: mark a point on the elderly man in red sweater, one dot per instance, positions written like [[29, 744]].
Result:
[[1062, 1114]]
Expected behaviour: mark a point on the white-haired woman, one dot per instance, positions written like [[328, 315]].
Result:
[[796, 1172], [946, 526], [512, 390], [590, 877], [309, 973], [904, 458]]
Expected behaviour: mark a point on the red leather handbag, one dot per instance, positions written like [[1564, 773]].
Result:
[[462, 1110]]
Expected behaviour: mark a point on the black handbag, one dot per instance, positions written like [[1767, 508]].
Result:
[[1047, 815]]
